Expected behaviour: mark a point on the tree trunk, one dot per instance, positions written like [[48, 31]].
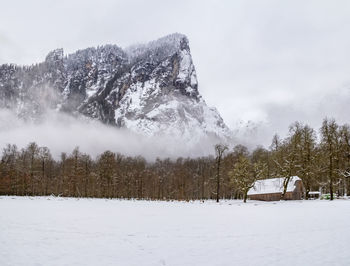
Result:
[[331, 177], [285, 186], [218, 180], [245, 195]]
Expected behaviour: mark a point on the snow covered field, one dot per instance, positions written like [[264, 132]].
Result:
[[60, 231]]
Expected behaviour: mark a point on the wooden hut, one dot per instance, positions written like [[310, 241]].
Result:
[[272, 189]]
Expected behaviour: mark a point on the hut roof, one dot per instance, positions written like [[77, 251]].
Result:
[[272, 185]]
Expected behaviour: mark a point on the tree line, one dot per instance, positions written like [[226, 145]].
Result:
[[321, 159]]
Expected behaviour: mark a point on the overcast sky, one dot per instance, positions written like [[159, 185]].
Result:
[[271, 62]]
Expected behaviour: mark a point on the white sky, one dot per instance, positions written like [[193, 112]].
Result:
[[266, 61]]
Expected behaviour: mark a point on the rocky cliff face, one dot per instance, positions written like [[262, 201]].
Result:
[[150, 89]]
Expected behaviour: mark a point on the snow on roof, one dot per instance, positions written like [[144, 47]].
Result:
[[272, 185], [314, 193]]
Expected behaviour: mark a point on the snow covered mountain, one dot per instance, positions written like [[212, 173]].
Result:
[[150, 89]]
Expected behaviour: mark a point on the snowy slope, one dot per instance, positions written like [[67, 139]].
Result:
[[150, 89], [61, 231]]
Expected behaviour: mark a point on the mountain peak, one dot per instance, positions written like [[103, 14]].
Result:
[[55, 55], [150, 88], [159, 49]]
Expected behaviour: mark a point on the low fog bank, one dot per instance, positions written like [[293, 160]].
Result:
[[62, 133]]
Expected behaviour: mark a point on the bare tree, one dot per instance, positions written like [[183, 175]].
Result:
[[245, 173], [219, 151], [345, 159], [106, 169], [307, 153], [330, 145], [33, 151]]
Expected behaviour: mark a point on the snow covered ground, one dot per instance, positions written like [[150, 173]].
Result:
[[61, 231]]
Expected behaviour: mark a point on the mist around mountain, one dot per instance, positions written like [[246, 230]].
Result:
[[144, 99]]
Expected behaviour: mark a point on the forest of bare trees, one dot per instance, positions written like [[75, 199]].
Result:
[[320, 158]]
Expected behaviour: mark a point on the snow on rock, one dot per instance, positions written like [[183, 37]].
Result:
[[151, 89], [272, 185], [55, 55]]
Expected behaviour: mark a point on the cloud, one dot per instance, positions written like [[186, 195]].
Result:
[[254, 59], [278, 117], [62, 133], [5, 45]]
